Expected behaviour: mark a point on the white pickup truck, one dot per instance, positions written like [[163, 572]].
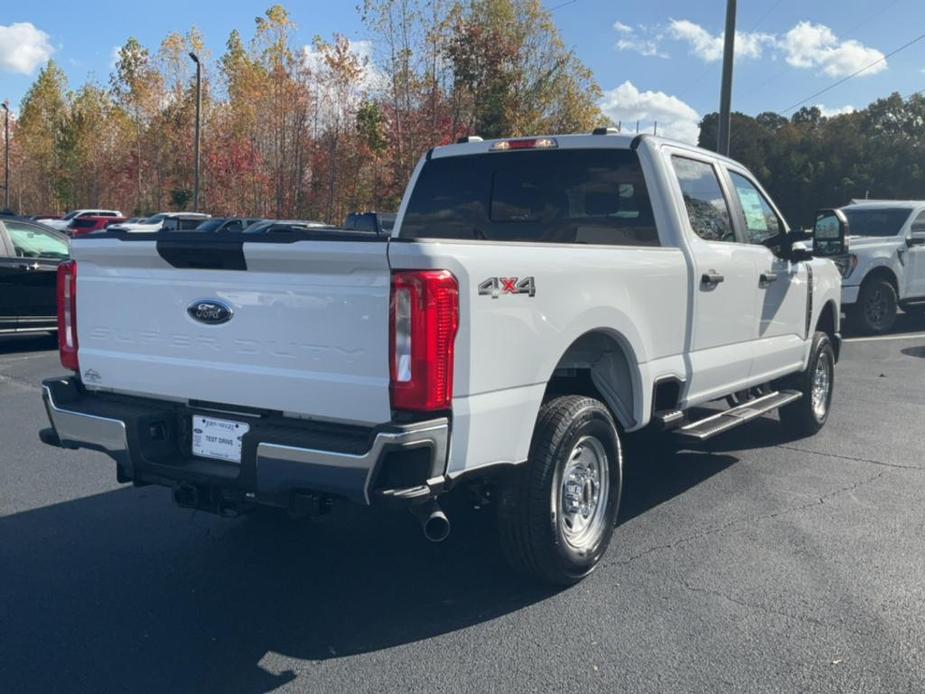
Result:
[[885, 266], [537, 299]]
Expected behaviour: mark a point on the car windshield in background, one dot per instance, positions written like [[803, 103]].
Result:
[[153, 219], [593, 196], [211, 224], [876, 222]]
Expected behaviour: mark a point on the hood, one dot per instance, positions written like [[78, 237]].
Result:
[[855, 242]]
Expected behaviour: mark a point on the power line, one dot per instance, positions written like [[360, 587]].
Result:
[[765, 16], [561, 5], [854, 74]]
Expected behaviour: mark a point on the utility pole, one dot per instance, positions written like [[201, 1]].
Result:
[[725, 97], [195, 59], [6, 157]]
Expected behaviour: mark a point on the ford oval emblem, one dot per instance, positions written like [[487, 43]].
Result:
[[210, 311]]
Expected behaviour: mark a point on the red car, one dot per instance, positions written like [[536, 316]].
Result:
[[87, 224]]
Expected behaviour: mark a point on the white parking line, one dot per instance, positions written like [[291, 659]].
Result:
[[907, 336]]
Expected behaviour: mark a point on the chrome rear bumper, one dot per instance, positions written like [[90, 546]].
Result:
[[279, 455]]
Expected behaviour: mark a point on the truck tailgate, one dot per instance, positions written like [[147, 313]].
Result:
[[308, 333]]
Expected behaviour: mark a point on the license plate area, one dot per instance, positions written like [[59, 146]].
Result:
[[218, 439]]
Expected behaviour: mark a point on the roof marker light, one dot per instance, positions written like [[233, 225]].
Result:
[[532, 143]]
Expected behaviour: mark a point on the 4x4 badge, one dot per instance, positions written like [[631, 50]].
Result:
[[496, 286]]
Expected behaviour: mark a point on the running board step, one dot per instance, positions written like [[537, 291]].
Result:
[[709, 427]]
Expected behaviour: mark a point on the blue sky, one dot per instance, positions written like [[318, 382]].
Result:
[[656, 60]]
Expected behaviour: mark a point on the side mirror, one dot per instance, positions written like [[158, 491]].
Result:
[[829, 234]]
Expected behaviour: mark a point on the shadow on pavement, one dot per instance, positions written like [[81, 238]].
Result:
[[13, 344], [905, 323], [123, 591]]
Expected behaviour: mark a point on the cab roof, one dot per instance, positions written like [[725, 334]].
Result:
[[610, 140]]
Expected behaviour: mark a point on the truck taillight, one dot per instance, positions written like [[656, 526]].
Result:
[[67, 315], [423, 322]]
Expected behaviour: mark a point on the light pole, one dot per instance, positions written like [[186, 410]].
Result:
[[725, 97], [195, 59], [6, 157]]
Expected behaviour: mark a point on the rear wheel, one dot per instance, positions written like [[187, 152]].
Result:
[[557, 512], [875, 311], [809, 414]]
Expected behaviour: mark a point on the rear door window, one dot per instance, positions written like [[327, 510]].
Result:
[[707, 209], [585, 196]]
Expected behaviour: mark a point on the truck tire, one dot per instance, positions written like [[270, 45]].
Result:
[[875, 311], [808, 415], [557, 512]]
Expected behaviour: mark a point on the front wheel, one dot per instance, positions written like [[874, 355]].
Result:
[[875, 311], [809, 414], [557, 512]]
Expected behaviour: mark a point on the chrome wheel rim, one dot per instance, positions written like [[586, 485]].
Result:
[[822, 385], [581, 498]]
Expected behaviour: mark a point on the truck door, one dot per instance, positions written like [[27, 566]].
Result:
[[37, 253], [9, 270], [915, 259], [783, 286], [723, 285]]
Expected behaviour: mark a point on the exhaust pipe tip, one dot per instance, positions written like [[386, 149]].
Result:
[[436, 527], [433, 520]]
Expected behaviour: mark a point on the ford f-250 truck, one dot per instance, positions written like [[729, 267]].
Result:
[[538, 298], [885, 267]]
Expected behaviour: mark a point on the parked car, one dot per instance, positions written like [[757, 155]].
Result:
[[538, 298], [29, 257], [267, 225], [61, 224], [379, 222], [885, 266], [158, 221], [87, 224], [226, 224]]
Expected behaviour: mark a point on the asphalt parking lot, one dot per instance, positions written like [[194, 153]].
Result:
[[756, 563]]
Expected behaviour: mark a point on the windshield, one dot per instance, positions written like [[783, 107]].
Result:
[[210, 225], [594, 196], [70, 215], [885, 221], [153, 219]]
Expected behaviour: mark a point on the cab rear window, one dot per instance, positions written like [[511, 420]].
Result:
[[584, 196]]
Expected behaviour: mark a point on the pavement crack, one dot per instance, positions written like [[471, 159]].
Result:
[[674, 544], [851, 458]]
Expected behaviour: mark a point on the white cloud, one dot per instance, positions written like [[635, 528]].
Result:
[[809, 45], [805, 46], [373, 79], [646, 47], [23, 47], [675, 118], [832, 112], [709, 48]]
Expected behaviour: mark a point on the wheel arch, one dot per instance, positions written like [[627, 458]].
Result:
[[882, 272], [601, 363]]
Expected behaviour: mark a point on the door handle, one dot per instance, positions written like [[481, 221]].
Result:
[[767, 278], [711, 278]]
